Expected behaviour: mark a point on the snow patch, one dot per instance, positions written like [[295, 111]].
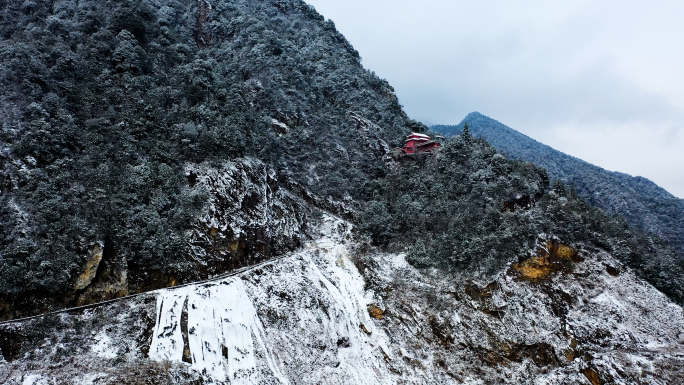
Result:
[[219, 322], [223, 331], [282, 126], [104, 348], [34, 379], [167, 341], [608, 300], [224, 334]]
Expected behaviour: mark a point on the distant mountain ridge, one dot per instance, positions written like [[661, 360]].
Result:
[[645, 205]]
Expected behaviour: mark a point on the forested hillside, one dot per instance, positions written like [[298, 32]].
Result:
[[472, 210], [105, 103], [227, 166], [641, 202], [147, 143]]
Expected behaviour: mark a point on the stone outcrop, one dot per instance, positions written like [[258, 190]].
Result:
[[249, 217], [90, 268], [552, 257]]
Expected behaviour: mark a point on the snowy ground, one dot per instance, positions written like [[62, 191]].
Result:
[[266, 324], [330, 314]]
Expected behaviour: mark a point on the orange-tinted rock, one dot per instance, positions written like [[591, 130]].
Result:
[[561, 251], [90, 268], [552, 256], [593, 376], [535, 268], [375, 312], [173, 281]]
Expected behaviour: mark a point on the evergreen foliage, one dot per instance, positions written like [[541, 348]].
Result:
[[643, 205], [103, 103], [472, 210], [641, 202]]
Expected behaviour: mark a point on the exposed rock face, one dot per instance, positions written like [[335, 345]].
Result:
[[325, 315], [108, 282], [375, 311], [249, 217], [552, 257], [90, 268]]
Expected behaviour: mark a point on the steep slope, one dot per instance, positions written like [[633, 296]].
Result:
[[471, 209], [641, 202], [332, 314], [120, 117], [164, 144]]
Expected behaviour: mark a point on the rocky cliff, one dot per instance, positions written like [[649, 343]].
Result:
[[247, 218], [147, 143]]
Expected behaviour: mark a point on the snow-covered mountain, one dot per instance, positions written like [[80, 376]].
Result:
[[203, 192], [644, 204]]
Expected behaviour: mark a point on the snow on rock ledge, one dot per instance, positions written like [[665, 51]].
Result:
[[248, 219], [315, 323], [223, 333]]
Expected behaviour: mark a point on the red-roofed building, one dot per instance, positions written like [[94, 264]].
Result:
[[419, 143]]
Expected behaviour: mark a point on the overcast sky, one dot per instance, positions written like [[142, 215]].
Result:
[[601, 80]]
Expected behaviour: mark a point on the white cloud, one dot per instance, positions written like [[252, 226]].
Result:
[[600, 80]]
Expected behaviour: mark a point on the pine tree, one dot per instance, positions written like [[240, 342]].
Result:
[[466, 133]]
